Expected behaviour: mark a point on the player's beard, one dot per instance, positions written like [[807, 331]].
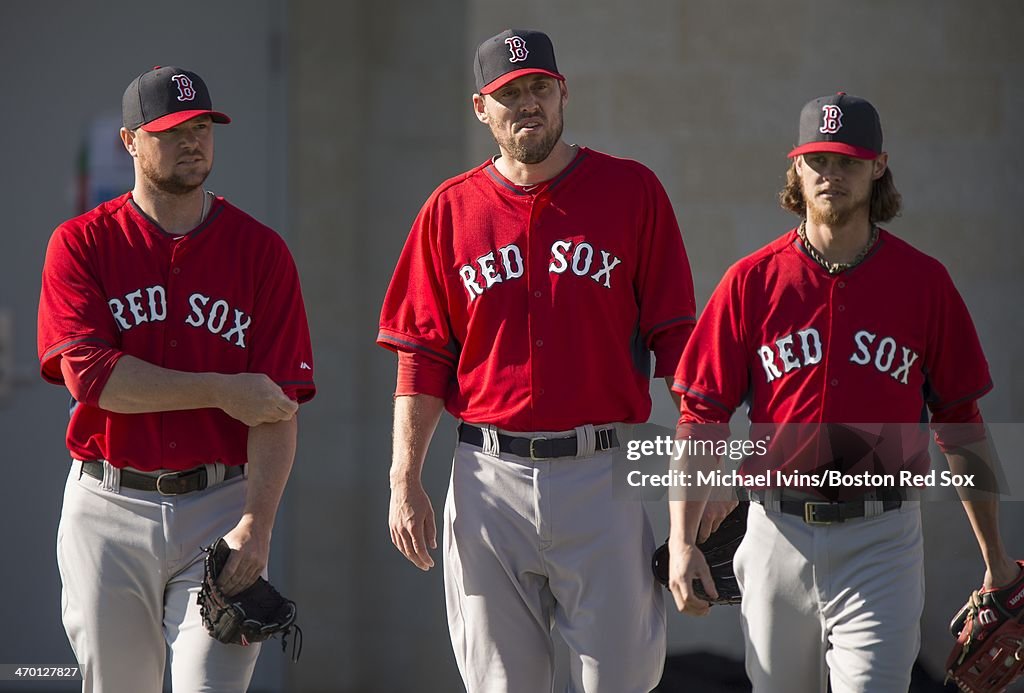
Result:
[[173, 183], [836, 212], [531, 150]]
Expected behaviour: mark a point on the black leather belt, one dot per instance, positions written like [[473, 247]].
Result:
[[167, 484], [827, 513], [538, 448]]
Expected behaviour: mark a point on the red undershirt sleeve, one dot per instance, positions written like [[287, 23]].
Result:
[[86, 369], [422, 375]]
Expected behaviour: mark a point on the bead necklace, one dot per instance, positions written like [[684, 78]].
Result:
[[836, 267]]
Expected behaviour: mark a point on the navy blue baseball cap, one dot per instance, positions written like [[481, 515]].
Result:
[[166, 97], [841, 124], [512, 54]]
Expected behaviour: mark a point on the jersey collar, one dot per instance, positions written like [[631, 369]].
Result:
[[215, 210], [505, 184], [798, 246]]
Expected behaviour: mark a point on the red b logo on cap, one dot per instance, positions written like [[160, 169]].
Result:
[[516, 46], [186, 92], [831, 119]]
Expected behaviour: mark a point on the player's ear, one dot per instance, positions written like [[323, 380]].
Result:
[[565, 91], [879, 165], [479, 101], [128, 140]]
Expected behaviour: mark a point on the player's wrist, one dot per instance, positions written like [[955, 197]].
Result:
[[412, 483], [404, 476], [678, 542], [1001, 572], [994, 553], [255, 526], [216, 389]]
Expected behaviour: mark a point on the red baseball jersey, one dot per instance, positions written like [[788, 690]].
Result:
[[224, 298], [545, 302], [874, 344]]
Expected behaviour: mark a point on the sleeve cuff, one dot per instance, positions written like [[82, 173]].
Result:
[[422, 375], [399, 343]]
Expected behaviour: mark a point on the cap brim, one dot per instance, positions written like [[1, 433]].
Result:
[[172, 120], [498, 83], [834, 148]]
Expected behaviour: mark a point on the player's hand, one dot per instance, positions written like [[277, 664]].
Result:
[[255, 399], [686, 564], [411, 518], [248, 560], [720, 504]]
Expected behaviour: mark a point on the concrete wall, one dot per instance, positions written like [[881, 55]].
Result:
[[348, 114], [376, 122]]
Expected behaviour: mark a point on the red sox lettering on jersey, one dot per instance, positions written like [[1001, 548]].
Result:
[[882, 356], [510, 265], [129, 311], [518, 295]]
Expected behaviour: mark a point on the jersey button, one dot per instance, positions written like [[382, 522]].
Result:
[[841, 308], [538, 294], [540, 392], [177, 270], [172, 445], [539, 342], [834, 382], [174, 342], [842, 285]]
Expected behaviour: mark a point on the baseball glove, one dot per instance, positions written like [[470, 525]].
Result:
[[989, 631], [255, 614], [718, 550]]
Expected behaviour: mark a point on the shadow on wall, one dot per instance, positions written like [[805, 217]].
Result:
[[703, 672]]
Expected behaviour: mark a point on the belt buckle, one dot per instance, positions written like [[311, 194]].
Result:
[[604, 439], [176, 475], [533, 455], [809, 518]]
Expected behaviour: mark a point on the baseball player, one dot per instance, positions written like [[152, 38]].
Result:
[[176, 322], [526, 301], [825, 332]]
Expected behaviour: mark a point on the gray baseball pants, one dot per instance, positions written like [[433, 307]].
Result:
[[531, 545], [131, 567], [840, 601]]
